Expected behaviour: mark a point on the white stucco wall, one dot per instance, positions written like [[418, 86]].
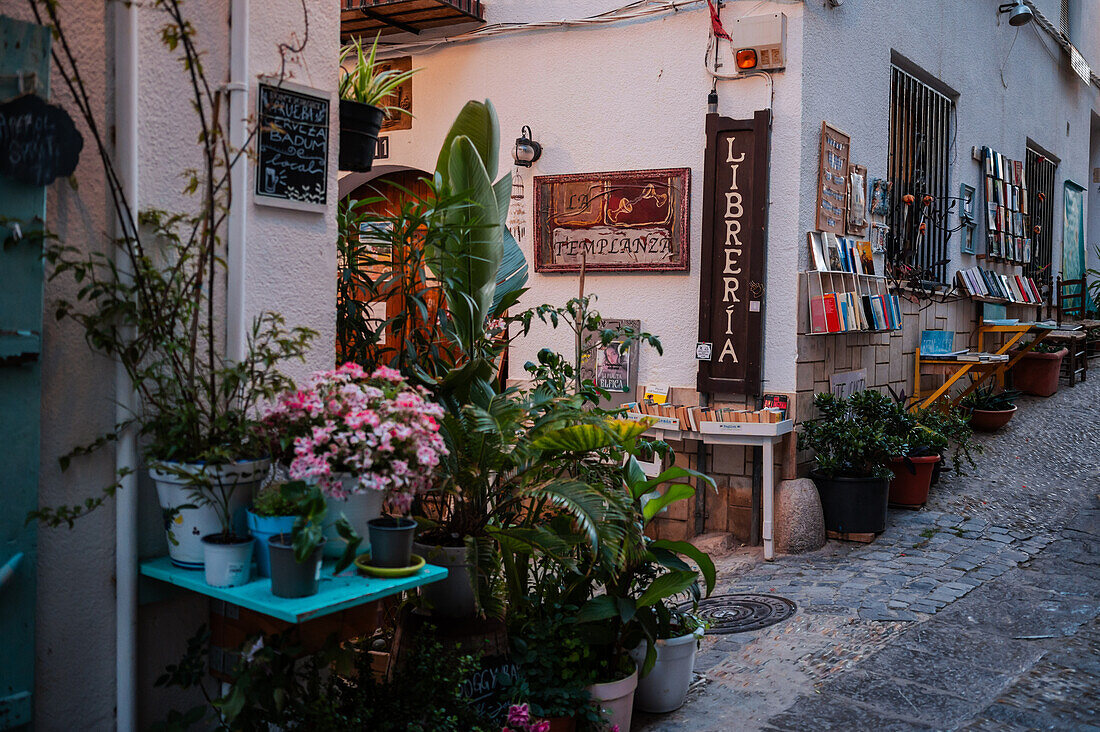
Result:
[[75, 640], [624, 96], [964, 45]]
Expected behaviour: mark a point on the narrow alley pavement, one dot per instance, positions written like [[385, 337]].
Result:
[[979, 612]]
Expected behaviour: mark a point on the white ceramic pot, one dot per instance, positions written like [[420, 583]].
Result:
[[452, 597], [184, 528], [227, 565], [616, 700], [358, 509], [665, 687]]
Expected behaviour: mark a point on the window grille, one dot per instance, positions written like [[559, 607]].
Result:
[[919, 162], [1039, 173]]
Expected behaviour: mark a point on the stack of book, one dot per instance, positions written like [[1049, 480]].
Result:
[[983, 357], [689, 418], [978, 282], [841, 312]]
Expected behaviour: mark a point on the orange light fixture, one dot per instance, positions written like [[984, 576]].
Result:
[[746, 58]]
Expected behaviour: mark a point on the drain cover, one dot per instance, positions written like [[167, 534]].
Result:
[[741, 613]]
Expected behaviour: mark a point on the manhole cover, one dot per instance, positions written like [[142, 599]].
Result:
[[742, 613]]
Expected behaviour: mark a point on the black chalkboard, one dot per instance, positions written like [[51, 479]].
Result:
[[38, 142], [292, 148]]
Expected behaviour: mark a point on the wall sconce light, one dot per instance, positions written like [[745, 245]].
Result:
[[527, 150], [1018, 12]]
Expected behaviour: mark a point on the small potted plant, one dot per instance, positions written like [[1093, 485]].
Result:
[[665, 687], [990, 410], [227, 554], [364, 440], [391, 541], [924, 449], [364, 90], [953, 423], [296, 557], [1037, 370], [272, 513], [852, 446]]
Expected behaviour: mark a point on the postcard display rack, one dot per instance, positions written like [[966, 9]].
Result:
[[1007, 219], [694, 423]]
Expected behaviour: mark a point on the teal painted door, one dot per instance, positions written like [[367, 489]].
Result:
[[1073, 236], [24, 54]]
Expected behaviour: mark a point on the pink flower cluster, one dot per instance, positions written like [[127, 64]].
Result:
[[519, 720], [377, 429]]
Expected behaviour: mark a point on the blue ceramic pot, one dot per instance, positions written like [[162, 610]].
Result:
[[263, 528]]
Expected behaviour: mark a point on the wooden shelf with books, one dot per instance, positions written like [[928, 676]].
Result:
[[677, 422]]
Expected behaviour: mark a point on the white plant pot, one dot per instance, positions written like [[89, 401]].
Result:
[[616, 700], [665, 687], [358, 509], [227, 565], [452, 597], [184, 528]]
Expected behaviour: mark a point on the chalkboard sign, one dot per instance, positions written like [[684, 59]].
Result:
[[292, 148], [38, 142]]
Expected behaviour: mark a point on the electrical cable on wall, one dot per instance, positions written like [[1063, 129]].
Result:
[[718, 32]]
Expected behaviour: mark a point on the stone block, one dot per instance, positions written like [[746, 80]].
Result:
[[798, 524]]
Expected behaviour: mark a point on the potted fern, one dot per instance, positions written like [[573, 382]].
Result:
[[364, 90]]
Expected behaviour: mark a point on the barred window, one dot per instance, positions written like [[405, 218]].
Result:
[[1039, 173], [918, 165]]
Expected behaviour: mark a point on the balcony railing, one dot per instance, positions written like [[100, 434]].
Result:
[[366, 18]]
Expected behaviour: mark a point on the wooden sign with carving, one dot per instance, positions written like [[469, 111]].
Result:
[[402, 96], [731, 278], [627, 221]]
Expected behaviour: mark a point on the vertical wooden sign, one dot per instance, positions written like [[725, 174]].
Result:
[[731, 281]]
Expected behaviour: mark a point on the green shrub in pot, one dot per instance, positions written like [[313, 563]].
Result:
[[853, 440]]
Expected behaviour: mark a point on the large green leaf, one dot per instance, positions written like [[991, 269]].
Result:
[[675, 472], [697, 555], [588, 437], [666, 586], [511, 275], [478, 122], [470, 265], [602, 607], [676, 492]]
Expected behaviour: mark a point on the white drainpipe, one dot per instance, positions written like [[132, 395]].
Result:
[[126, 569], [237, 226]]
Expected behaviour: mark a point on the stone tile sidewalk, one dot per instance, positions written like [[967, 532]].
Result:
[[979, 612]]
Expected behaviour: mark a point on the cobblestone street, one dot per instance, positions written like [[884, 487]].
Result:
[[979, 612]]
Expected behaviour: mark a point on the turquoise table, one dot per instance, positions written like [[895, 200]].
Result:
[[342, 592]]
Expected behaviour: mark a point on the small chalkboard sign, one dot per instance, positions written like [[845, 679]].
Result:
[[38, 141], [292, 147]]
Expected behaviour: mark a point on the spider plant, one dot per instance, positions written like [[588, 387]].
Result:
[[365, 83]]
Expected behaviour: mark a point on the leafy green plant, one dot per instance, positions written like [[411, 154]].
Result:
[[1045, 347], [850, 437], [365, 83], [270, 501], [309, 505], [988, 398], [952, 422]]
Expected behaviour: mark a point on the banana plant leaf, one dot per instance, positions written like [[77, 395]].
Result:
[[478, 123]]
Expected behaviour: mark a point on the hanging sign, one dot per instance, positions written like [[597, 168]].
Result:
[[292, 148], [731, 283], [38, 141]]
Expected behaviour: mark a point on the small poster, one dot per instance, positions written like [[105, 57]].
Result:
[[613, 366]]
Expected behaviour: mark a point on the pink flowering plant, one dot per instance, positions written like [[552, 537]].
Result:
[[519, 720], [375, 428]]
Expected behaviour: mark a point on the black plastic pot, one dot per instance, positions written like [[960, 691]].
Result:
[[391, 541], [359, 126], [289, 577], [853, 505]]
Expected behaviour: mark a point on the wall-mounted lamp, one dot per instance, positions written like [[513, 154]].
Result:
[[527, 150], [1018, 12]]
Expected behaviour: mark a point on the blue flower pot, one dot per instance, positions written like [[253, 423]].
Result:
[[263, 528]]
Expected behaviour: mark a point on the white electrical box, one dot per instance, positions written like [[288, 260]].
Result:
[[765, 34]]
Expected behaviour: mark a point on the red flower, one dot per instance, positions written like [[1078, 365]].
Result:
[[908, 199]]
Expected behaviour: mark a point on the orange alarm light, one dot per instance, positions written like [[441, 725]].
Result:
[[746, 58]]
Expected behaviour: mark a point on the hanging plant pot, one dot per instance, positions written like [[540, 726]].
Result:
[[853, 505], [452, 597], [985, 420], [909, 488], [391, 541], [665, 687], [228, 559], [289, 577], [1037, 373], [359, 126], [615, 700], [187, 521]]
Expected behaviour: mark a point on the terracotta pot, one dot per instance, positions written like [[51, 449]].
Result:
[[984, 420], [1037, 373], [562, 724], [911, 488]]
